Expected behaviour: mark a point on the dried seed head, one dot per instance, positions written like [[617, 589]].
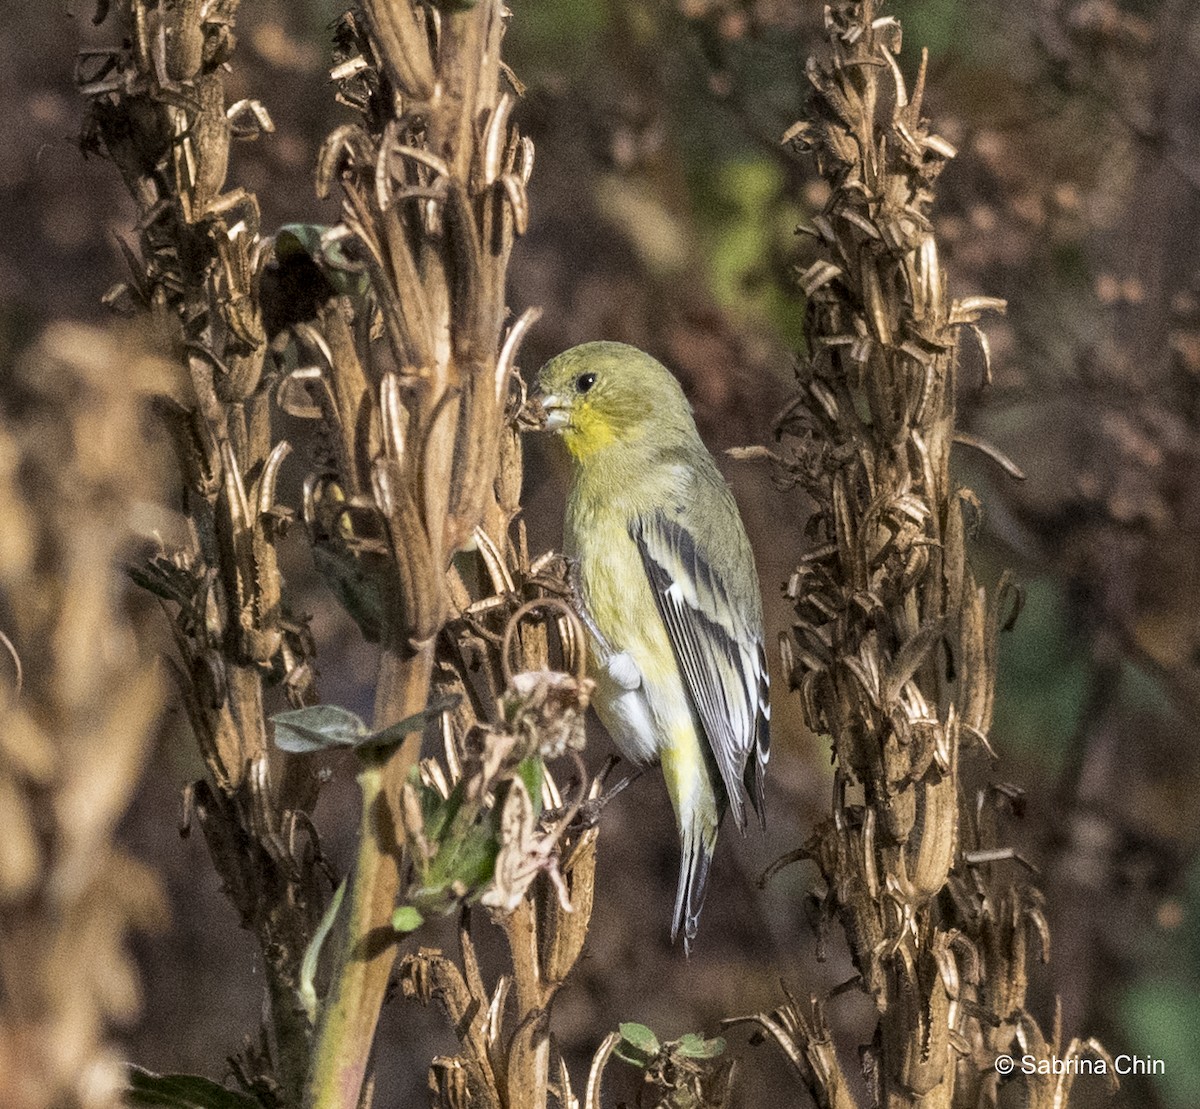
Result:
[[546, 710]]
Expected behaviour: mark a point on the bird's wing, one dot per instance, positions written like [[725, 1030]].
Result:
[[720, 652]]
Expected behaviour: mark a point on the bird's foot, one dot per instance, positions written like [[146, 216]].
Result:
[[587, 815], [589, 812]]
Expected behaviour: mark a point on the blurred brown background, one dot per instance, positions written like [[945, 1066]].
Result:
[[663, 211]]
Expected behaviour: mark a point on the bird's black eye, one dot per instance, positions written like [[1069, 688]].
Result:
[[584, 382]]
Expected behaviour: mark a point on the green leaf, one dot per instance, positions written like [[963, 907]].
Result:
[[695, 1046], [317, 728], [532, 771], [346, 276], [384, 740], [321, 727], [312, 955], [438, 812], [638, 1045], [182, 1091], [357, 590], [407, 919], [467, 861], [639, 1036], [299, 238]]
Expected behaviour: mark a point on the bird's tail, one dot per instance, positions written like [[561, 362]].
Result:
[[697, 841], [699, 803]]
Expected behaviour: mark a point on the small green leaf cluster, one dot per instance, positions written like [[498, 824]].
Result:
[[641, 1048], [454, 840], [687, 1073]]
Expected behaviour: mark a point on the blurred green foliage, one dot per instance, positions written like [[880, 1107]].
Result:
[[938, 25], [1161, 1013], [746, 221], [1043, 679], [556, 34], [736, 202], [1161, 1017]]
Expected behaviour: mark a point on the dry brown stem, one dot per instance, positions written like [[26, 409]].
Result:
[[406, 365], [893, 650], [507, 1060], [157, 109], [411, 516]]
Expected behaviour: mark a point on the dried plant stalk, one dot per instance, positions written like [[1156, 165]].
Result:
[[157, 109], [74, 466], [411, 373], [407, 366], [893, 647]]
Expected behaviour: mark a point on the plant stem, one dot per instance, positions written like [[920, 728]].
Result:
[[367, 947]]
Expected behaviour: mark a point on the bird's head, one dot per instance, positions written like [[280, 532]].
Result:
[[602, 394]]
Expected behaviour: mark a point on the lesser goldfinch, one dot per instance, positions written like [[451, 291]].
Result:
[[667, 589]]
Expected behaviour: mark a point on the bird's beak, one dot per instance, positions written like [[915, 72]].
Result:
[[558, 413]]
